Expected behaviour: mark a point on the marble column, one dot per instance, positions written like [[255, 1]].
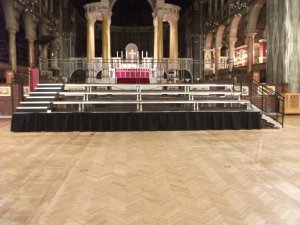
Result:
[[283, 43], [173, 39], [105, 38], [90, 38], [232, 42], [31, 53], [155, 27], [12, 50], [160, 39], [209, 8], [262, 51], [109, 38], [250, 49], [217, 58], [44, 52], [54, 54]]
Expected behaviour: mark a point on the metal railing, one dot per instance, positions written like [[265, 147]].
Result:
[[99, 71], [270, 102]]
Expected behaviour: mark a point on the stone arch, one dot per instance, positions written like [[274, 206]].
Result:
[[219, 36], [253, 17], [234, 26], [208, 41]]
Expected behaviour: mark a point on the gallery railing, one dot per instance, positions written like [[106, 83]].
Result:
[[99, 71]]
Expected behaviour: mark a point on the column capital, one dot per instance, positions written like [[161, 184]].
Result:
[[155, 21], [232, 39], [91, 18], [12, 30], [172, 18], [263, 41]]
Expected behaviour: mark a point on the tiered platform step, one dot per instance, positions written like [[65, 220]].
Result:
[[116, 107], [41, 99]]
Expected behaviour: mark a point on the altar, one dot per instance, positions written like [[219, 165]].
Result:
[[132, 70], [128, 76]]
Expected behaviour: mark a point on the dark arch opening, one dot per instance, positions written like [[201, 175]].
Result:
[[132, 13], [185, 75], [3, 38], [132, 22], [99, 75], [78, 76], [22, 46]]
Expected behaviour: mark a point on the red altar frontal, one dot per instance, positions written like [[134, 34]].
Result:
[[133, 75]]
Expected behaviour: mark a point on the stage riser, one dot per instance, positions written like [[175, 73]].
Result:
[[134, 121]]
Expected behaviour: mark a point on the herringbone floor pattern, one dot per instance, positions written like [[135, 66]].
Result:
[[141, 178]]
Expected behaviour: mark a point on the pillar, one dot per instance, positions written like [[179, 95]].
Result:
[[210, 8], [54, 54], [283, 43], [173, 39], [250, 50], [155, 27], [207, 59], [51, 6], [160, 39], [232, 42], [218, 58], [46, 4], [105, 38], [90, 38], [30, 33], [262, 51], [12, 26], [216, 6], [109, 38], [222, 3], [31, 53], [12, 50]]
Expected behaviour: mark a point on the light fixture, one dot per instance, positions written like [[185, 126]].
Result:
[[238, 5], [212, 26], [33, 6], [29, 5]]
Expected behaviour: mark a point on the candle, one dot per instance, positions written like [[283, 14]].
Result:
[[121, 54], [117, 54]]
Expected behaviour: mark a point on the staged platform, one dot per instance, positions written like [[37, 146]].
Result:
[[134, 121]]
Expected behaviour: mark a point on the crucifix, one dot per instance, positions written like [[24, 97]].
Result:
[[131, 54]]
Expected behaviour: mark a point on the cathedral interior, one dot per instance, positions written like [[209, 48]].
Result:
[[149, 112]]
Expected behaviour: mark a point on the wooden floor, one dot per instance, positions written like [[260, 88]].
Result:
[[206, 177]]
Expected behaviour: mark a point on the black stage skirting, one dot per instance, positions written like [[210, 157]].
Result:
[[134, 121]]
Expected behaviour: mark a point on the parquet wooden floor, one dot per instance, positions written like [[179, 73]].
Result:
[[202, 177]]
